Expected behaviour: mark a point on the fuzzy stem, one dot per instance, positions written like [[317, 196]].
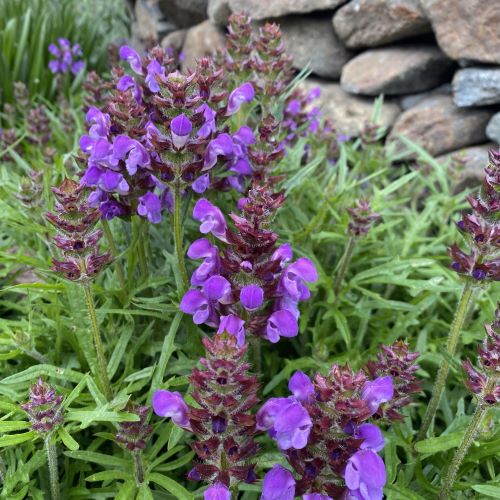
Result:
[[138, 468], [114, 252], [451, 347], [469, 436], [140, 248], [257, 356], [344, 265], [53, 472], [102, 369], [178, 237]]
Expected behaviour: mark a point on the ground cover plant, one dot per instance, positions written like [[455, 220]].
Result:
[[209, 292]]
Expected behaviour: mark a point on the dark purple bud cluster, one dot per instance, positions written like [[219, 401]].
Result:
[[43, 407], [252, 286], [31, 189], [75, 221], [8, 138], [361, 218], [21, 95], [324, 431], [239, 47], [489, 365], [39, 128], [223, 423], [97, 90], [481, 229], [134, 435]]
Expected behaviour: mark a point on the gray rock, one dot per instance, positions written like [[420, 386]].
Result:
[[466, 166], [350, 113], [184, 13], [476, 86], [262, 9], [466, 29], [369, 23], [409, 101], [311, 41], [201, 40], [218, 11], [493, 129], [395, 70], [150, 23], [174, 39], [439, 126]]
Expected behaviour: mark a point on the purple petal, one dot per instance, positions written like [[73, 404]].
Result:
[[372, 435], [240, 95], [216, 287], [278, 484], [315, 496], [217, 492], [154, 68], [378, 391], [233, 325], [195, 303], [171, 404], [244, 135], [222, 145], [281, 324], [212, 220], [365, 475], [180, 128], [301, 387], [251, 297], [133, 58], [201, 184], [150, 207]]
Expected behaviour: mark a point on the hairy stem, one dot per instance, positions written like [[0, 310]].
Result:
[[178, 237], [53, 472], [114, 252], [141, 253], [102, 374], [138, 468], [451, 347], [344, 264], [469, 436]]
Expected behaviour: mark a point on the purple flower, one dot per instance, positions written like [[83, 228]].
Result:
[[293, 107], [180, 128], [365, 476], [137, 154], [170, 404], [203, 249], [99, 122], [241, 94], [315, 496], [251, 297], [281, 324], [217, 288], [283, 253], [76, 67], [278, 484], [110, 209], [287, 421], [301, 387], [313, 94], [111, 181], [292, 281], [133, 58], [126, 82], [217, 492], [208, 126], [201, 184], [378, 391], [233, 325], [154, 68], [372, 436], [65, 55], [194, 302], [212, 220], [150, 207], [222, 145], [343, 137]]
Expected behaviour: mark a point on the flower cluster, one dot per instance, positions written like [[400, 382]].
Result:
[[252, 286], [75, 221], [485, 381], [133, 435], [162, 130], [223, 423], [361, 218], [67, 57], [43, 407], [324, 431], [481, 229]]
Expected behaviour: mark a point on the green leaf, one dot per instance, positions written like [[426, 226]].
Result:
[[171, 486], [41, 370], [126, 492], [110, 475], [67, 439], [12, 439], [98, 458], [13, 425], [397, 492], [87, 417], [490, 490], [441, 443]]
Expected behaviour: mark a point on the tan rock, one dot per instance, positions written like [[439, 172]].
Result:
[[369, 23], [201, 40], [466, 29], [439, 126], [395, 70], [175, 40]]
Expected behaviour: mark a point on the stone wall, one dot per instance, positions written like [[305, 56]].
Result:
[[437, 62]]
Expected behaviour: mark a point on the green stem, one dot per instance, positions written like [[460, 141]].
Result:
[[138, 468], [178, 237], [114, 252], [469, 436], [344, 264], [53, 472], [102, 369], [140, 248], [257, 354], [451, 347]]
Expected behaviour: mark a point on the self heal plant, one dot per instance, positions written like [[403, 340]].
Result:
[[78, 241], [66, 57], [325, 427], [477, 266], [246, 284], [221, 420], [484, 383], [45, 414]]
